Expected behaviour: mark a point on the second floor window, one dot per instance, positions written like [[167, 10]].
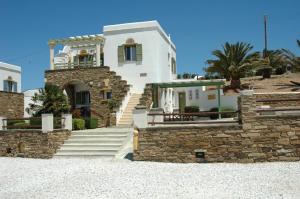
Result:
[[10, 86], [130, 53]]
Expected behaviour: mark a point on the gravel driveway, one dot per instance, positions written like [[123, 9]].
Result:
[[94, 178]]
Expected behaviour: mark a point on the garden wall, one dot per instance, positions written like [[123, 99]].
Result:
[[12, 104], [286, 99], [31, 143], [255, 139]]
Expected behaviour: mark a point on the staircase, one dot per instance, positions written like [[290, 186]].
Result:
[[102, 142], [127, 118]]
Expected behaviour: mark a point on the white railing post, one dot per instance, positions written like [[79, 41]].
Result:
[[140, 117], [47, 123], [3, 123], [66, 121], [159, 118]]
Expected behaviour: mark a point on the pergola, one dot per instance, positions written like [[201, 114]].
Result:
[[78, 41], [181, 84]]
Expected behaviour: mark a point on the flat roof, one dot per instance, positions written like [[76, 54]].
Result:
[[11, 67], [137, 26]]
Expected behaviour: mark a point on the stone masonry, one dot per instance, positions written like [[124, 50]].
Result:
[[95, 78], [281, 96], [146, 99], [12, 105], [257, 138], [31, 143]]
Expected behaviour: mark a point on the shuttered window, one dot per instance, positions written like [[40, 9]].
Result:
[[10, 86], [130, 53]]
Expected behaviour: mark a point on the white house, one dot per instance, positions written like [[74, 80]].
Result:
[[10, 77], [139, 52]]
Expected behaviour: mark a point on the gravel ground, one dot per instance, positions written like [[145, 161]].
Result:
[[94, 178]]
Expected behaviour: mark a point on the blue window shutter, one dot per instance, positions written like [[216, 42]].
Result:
[[5, 85]]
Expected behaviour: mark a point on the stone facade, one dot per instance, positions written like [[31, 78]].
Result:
[[96, 78], [31, 143], [146, 99], [12, 105], [283, 97], [257, 138]]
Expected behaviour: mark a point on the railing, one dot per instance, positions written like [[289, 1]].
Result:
[[22, 123], [74, 65], [192, 118], [31, 123]]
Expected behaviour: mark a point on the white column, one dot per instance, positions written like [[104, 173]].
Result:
[[51, 46], [2, 123], [47, 123], [66, 121], [98, 49]]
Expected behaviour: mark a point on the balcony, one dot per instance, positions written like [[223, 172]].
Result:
[[59, 66]]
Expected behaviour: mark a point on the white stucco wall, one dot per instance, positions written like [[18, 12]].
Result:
[[155, 53], [28, 100], [203, 102], [13, 71]]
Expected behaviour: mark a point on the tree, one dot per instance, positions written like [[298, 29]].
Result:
[[51, 99], [291, 60], [233, 61], [274, 60]]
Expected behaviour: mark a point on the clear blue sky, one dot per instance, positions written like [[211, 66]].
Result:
[[196, 27]]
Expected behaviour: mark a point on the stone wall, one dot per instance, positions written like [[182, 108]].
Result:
[[12, 104], [283, 97], [255, 139], [31, 143], [146, 99], [95, 78]]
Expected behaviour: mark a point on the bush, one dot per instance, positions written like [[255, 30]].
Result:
[[191, 109], [227, 115], [78, 124], [36, 121], [15, 122], [280, 71], [223, 115], [91, 123], [214, 116]]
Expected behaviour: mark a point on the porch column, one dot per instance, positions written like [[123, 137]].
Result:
[[51, 47], [98, 49], [219, 100]]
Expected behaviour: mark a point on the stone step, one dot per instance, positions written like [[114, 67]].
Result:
[[106, 130], [87, 150], [100, 136], [94, 141], [90, 147], [100, 133], [89, 153]]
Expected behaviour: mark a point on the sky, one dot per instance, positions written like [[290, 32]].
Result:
[[197, 27]]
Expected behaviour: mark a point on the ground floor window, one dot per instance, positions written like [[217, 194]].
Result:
[[83, 98], [130, 53]]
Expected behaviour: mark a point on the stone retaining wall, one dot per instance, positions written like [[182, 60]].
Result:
[[11, 104], [277, 96], [255, 139], [146, 99], [31, 143]]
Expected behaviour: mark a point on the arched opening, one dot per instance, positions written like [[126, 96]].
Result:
[[79, 97]]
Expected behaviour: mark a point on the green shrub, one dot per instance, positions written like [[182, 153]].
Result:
[[78, 124], [91, 123], [223, 115], [36, 121], [214, 116], [191, 109], [227, 115], [13, 122]]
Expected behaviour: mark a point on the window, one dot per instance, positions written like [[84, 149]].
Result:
[[143, 74], [190, 94], [10, 86], [108, 95], [83, 98], [130, 53], [197, 93], [173, 62]]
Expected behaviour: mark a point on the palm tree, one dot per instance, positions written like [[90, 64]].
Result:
[[233, 61], [51, 99], [273, 60], [291, 59]]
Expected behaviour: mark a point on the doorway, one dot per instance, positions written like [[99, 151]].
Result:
[[182, 102]]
